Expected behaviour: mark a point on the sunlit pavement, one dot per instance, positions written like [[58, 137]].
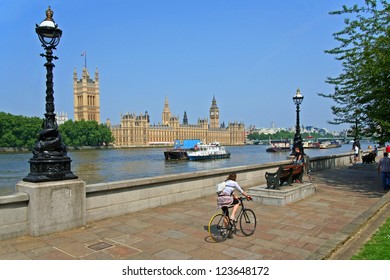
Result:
[[345, 199]]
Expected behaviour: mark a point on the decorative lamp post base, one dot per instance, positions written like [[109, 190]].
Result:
[[51, 169]]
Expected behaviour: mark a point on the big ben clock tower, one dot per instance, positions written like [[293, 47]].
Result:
[[214, 114]]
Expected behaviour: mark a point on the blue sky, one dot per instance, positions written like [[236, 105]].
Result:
[[252, 55]]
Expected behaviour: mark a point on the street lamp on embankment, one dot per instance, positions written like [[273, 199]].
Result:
[[56, 197], [297, 99], [50, 161]]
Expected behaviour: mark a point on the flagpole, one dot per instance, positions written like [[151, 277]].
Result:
[[85, 59]]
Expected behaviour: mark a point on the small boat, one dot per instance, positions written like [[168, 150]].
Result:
[[208, 151], [279, 146], [330, 144], [335, 144], [310, 145], [325, 145], [180, 149]]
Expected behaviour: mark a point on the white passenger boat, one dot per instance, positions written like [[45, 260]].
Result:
[[279, 146], [180, 149], [208, 151]]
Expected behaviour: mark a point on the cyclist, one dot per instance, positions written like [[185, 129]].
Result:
[[227, 198]]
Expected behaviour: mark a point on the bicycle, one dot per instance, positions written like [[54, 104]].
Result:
[[221, 226]]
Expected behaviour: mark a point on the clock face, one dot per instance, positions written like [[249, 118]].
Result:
[[212, 113]]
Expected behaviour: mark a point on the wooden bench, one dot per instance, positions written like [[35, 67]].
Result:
[[285, 174]]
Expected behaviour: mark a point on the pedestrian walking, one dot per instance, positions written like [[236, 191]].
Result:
[[356, 153], [384, 170]]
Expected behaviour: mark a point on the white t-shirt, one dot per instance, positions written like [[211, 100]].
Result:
[[231, 186]]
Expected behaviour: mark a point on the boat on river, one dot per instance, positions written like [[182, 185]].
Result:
[[208, 151], [330, 144], [279, 146], [180, 149], [310, 145]]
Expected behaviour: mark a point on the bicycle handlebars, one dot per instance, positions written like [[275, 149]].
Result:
[[241, 198]]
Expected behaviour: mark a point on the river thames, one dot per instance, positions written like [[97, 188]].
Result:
[[107, 165]]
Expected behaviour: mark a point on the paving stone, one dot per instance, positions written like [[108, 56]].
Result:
[[14, 256], [56, 255], [6, 248], [36, 253], [126, 239], [297, 251], [171, 254], [101, 255], [242, 254], [174, 234], [121, 252], [75, 249], [84, 236]]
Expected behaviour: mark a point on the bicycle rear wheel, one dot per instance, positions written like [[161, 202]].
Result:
[[218, 227], [248, 222]]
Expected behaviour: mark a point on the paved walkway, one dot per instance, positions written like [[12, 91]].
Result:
[[345, 207]]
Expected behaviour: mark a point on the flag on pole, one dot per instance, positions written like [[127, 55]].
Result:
[[84, 53]]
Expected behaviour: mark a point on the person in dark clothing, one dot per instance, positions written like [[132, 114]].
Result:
[[298, 156]]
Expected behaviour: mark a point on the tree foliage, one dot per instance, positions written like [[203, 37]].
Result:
[[18, 131], [361, 93], [22, 132], [85, 133], [284, 134]]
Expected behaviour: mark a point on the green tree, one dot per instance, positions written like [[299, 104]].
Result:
[[85, 133], [284, 134], [19, 131], [362, 89], [254, 136]]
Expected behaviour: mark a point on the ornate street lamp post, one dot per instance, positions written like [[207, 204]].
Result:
[[50, 161], [298, 98]]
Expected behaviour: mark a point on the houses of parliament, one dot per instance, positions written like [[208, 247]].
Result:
[[136, 130]]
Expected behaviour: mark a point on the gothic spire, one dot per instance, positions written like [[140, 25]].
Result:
[[214, 103], [185, 119]]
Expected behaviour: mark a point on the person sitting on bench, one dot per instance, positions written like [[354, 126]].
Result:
[[298, 157]]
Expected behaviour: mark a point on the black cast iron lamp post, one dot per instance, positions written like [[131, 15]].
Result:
[[298, 98], [50, 161]]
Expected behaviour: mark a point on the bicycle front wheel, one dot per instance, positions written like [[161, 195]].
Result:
[[218, 227], [248, 222]]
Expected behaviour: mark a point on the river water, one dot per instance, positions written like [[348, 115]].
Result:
[[97, 166]]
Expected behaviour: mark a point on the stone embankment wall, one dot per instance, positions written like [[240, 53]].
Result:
[[117, 198]]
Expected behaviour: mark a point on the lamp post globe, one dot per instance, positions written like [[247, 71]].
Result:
[[48, 32], [297, 99], [50, 161]]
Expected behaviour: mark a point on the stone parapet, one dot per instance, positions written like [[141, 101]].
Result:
[[13, 215], [54, 206]]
